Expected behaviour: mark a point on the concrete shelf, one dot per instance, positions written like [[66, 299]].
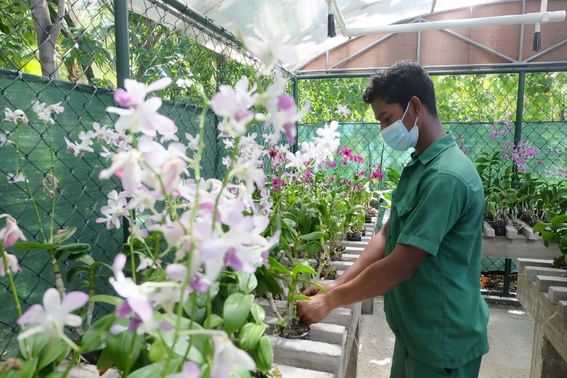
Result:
[[542, 290]]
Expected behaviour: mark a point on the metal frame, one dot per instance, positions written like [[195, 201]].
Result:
[[520, 63]]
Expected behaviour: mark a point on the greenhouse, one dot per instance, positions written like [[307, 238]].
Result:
[[252, 188]]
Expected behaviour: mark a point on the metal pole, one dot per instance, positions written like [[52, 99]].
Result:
[[507, 273], [295, 88], [520, 107], [122, 63], [122, 43], [439, 70], [517, 139]]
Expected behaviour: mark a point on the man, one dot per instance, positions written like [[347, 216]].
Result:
[[426, 258]]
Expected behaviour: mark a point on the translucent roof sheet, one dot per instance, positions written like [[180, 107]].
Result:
[[303, 24]]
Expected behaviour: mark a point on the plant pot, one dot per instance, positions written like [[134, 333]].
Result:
[[328, 272], [499, 229], [354, 236], [273, 373], [559, 262], [337, 252], [293, 332]]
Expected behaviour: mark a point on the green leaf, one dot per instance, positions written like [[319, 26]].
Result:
[[264, 354], [158, 351], [33, 246], [213, 322], [247, 282], [124, 348], [54, 351], [250, 334], [557, 220], [63, 235], [88, 261], [110, 299], [75, 271], [258, 313], [301, 297], [267, 282], [158, 369], [75, 248], [35, 344], [95, 337], [311, 248], [236, 309], [303, 268], [276, 266]]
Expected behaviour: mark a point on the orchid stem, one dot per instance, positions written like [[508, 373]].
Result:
[[28, 188], [11, 281]]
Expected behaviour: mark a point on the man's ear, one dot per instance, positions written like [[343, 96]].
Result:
[[416, 105]]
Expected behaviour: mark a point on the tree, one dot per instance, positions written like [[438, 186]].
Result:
[[47, 29]]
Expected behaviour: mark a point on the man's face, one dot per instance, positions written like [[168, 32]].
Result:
[[385, 113]]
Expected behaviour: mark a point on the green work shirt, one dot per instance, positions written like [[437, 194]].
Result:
[[438, 314]]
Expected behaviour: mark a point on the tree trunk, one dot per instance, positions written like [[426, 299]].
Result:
[[73, 21], [47, 32]]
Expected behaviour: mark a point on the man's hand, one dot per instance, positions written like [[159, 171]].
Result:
[[314, 290], [314, 310]]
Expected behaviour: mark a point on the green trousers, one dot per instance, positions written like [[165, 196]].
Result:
[[406, 366]]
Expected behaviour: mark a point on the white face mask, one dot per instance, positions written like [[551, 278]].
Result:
[[397, 136]]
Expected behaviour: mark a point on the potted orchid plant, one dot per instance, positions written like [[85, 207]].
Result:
[[184, 280]]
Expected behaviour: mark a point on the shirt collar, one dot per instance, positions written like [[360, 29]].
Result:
[[434, 149]]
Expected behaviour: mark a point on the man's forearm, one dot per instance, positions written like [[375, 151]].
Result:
[[375, 280], [373, 252], [378, 278]]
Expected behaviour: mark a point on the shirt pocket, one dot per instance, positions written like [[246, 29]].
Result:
[[405, 205]]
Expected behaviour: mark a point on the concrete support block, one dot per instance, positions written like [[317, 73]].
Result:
[[517, 248], [321, 332], [527, 231], [293, 372], [511, 232], [549, 357], [349, 257], [368, 307], [543, 282], [308, 354], [487, 230], [341, 265], [354, 250], [563, 310], [557, 293], [360, 244], [533, 271], [524, 261]]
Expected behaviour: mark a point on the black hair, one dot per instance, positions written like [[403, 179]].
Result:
[[398, 83]]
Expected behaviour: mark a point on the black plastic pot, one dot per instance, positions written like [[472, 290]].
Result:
[[354, 236], [303, 335]]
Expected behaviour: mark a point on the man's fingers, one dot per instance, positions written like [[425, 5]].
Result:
[[311, 291]]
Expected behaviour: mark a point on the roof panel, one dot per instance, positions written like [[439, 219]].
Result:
[[303, 24]]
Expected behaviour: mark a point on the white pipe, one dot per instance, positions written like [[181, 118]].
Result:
[[528, 18], [543, 8]]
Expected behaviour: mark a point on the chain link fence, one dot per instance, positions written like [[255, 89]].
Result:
[[68, 56], [480, 110]]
